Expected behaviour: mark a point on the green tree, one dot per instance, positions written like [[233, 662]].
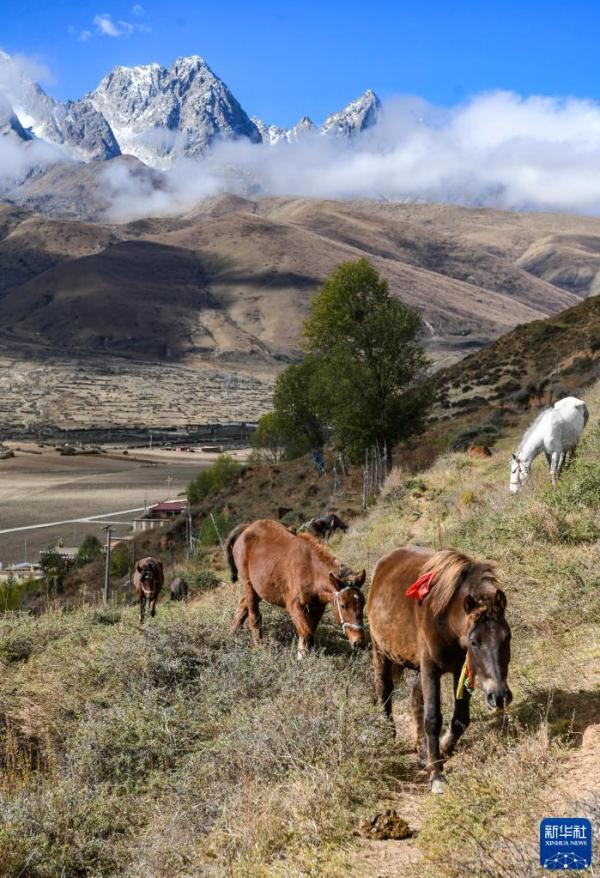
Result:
[[298, 406], [120, 559], [270, 437], [364, 345], [89, 550], [223, 472]]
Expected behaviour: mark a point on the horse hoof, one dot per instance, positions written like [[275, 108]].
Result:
[[438, 786]]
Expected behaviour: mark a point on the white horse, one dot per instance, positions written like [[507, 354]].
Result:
[[556, 432]]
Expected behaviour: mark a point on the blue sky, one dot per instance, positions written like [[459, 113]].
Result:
[[283, 60]]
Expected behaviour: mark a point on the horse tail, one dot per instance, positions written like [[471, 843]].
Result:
[[229, 544]]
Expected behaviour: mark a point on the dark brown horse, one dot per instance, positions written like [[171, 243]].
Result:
[[325, 526], [148, 579], [453, 623], [179, 589], [298, 574]]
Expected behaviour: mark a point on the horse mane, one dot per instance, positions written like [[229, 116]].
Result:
[[324, 554], [532, 427], [450, 566]]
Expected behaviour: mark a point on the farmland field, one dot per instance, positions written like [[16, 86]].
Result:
[[39, 488]]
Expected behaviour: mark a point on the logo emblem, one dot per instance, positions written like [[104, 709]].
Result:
[[565, 843]]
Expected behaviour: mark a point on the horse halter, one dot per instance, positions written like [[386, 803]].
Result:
[[148, 594], [357, 626]]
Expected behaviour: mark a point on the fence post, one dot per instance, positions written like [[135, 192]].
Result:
[[106, 593]]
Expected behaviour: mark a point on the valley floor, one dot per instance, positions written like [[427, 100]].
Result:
[[175, 750]]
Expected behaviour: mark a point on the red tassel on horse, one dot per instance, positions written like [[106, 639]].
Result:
[[420, 587]]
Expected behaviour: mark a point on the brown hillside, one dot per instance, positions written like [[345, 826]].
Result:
[[536, 362], [227, 286]]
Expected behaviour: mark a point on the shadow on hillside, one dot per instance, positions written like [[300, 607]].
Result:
[[567, 713]]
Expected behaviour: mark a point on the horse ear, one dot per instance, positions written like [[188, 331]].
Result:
[[337, 583], [469, 604], [500, 600], [513, 456], [360, 580]]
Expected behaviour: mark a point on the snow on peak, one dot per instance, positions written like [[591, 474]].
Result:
[[159, 113], [357, 116], [82, 132]]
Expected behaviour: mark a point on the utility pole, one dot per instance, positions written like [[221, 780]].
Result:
[[190, 547], [107, 567]]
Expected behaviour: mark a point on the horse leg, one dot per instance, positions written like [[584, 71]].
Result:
[[303, 618], [418, 710], [153, 606], [384, 683], [430, 683], [142, 606], [241, 614], [460, 719], [254, 617], [555, 467]]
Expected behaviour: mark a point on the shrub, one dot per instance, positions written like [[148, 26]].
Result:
[[120, 560], [205, 579], [13, 592], [223, 472], [213, 526], [89, 550], [270, 439]]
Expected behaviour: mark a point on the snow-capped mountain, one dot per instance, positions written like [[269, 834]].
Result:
[[9, 123], [274, 134], [355, 117], [84, 133], [154, 113], [158, 113]]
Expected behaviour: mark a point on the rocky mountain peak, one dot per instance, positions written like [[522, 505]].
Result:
[[76, 125], [159, 113], [357, 116]]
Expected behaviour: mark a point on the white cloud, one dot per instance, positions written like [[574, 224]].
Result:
[[138, 10], [18, 158], [109, 28], [106, 25], [84, 36], [496, 150], [14, 67]]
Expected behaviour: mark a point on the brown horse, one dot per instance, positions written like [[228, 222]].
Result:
[[148, 579], [453, 622], [479, 451], [298, 574]]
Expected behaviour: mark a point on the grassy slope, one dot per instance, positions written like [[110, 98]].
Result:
[[173, 750]]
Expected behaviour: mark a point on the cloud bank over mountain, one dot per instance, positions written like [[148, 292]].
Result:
[[497, 150], [192, 139]]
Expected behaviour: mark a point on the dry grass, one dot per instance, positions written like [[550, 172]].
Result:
[[172, 750], [175, 751]]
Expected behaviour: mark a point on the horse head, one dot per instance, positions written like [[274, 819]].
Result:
[[487, 636], [519, 473], [348, 605], [148, 574]]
